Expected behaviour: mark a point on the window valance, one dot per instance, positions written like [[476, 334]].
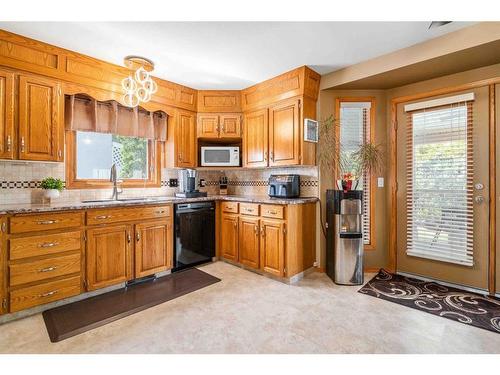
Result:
[[87, 114]]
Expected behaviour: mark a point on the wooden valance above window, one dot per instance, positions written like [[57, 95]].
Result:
[[87, 114]]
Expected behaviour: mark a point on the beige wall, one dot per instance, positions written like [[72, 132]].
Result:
[[376, 257]]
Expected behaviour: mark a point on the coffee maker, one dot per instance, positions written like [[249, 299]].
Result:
[[188, 183]]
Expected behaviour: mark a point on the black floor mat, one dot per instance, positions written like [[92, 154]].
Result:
[[78, 317]]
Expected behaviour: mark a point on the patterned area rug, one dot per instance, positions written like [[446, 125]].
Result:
[[474, 309]]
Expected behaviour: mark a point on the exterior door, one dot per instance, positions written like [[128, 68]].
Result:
[[40, 124], [255, 139], [447, 210], [229, 237], [109, 256], [249, 241], [153, 248], [6, 114], [230, 126], [284, 134], [272, 247], [186, 140], [208, 126]]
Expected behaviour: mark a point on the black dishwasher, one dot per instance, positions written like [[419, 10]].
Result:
[[194, 234]]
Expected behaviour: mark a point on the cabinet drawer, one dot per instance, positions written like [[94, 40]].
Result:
[[251, 209], [44, 269], [44, 293], [231, 207], [44, 245], [272, 211], [35, 223], [116, 215]]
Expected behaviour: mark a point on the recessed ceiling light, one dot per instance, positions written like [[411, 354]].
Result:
[[435, 24]]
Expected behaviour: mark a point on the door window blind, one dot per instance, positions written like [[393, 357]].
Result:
[[440, 183], [354, 131]]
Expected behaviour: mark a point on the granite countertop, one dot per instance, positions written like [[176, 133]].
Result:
[[64, 206]]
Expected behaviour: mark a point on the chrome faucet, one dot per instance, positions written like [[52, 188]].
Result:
[[115, 181]]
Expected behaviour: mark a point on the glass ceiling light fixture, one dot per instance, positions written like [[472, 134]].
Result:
[[138, 87]]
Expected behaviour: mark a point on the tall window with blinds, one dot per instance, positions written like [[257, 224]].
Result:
[[355, 130], [440, 183]]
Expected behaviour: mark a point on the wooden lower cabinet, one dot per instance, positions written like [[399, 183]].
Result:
[[153, 248], [229, 237], [109, 256], [249, 241], [272, 247]]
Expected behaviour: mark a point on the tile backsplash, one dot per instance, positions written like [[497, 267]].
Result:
[[19, 182]]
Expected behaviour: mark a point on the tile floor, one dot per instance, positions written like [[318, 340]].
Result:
[[248, 313]]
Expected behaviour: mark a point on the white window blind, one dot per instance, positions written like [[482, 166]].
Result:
[[440, 183], [354, 131]]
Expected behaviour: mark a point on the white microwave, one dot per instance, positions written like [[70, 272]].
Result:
[[215, 156]]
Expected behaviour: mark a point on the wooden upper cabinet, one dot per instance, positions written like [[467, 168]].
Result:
[[230, 126], [186, 139], [109, 256], [272, 247], [213, 126], [153, 248], [249, 241], [40, 124], [255, 139], [229, 237], [284, 134], [208, 126], [7, 96]]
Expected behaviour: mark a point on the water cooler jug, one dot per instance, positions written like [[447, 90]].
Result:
[[345, 237]]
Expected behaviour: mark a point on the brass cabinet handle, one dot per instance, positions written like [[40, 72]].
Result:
[[222, 128], [9, 143], [46, 222], [129, 238], [249, 209], [48, 269], [272, 156], [235, 224], [102, 217], [137, 236], [272, 212], [256, 229], [265, 155], [262, 232], [48, 244], [48, 294], [160, 212], [22, 144]]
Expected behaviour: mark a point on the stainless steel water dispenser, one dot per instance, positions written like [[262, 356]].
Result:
[[346, 237]]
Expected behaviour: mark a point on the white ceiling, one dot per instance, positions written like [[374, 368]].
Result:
[[232, 55]]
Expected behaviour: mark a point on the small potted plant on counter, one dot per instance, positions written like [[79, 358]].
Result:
[[52, 187]]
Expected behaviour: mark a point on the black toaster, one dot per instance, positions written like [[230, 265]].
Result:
[[284, 186]]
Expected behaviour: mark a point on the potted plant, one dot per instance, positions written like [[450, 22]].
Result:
[[348, 163], [52, 187]]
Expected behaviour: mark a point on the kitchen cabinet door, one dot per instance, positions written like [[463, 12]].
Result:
[[186, 140], [284, 134], [3, 265], [229, 237], [40, 124], [255, 139], [109, 256], [208, 126], [272, 247], [153, 248], [249, 241], [230, 126], [7, 96]]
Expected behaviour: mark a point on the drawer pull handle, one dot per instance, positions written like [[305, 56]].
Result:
[[272, 212], [47, 222], [249, 209], [102, 217], [160, 212], [48, 244], [48, 269], [48, 294]]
